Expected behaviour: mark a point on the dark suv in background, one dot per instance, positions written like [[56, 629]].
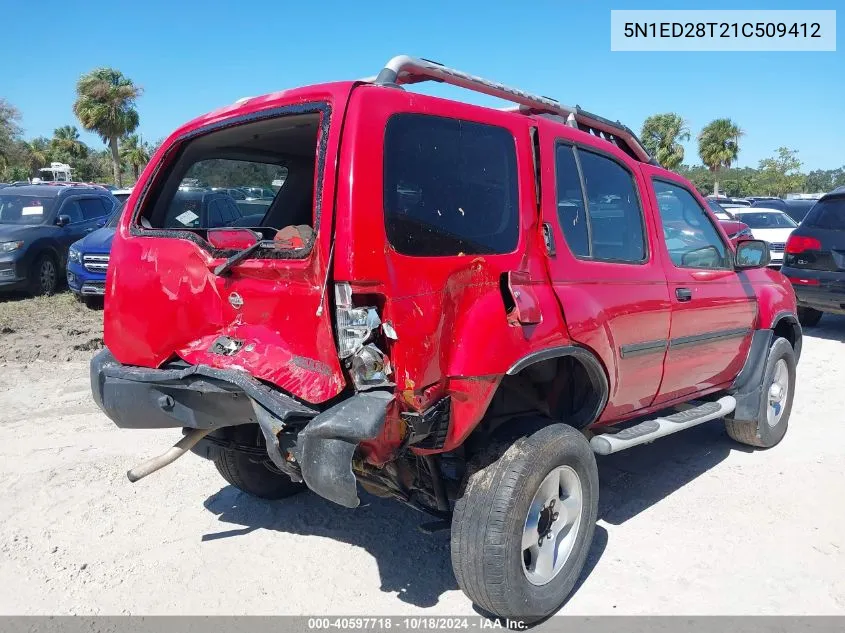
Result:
[[38, 223], [814, 260], [795, 209]]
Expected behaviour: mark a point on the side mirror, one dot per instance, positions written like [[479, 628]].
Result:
[[752, 254], [63, 220]]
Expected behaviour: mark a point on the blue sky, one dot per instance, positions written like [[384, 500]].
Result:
[[191, 57]]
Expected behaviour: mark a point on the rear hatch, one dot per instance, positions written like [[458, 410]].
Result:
[[194, 278]]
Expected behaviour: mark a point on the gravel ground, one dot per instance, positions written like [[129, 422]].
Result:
[[692, 524]]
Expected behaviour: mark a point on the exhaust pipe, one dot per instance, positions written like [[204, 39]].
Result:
[[168, 457]]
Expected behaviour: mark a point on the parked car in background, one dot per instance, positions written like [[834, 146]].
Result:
[[815, 259], [38, 223], [733, 227], [795, 209], [259, 193], [122, 195], [88, 261], [774, 227], [201, 209], [398, 321], [237, 193], [728, 202]]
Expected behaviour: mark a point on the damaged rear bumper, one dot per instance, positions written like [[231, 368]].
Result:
[[202, 397]]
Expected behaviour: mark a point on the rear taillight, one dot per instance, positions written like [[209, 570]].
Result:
[[800, 243], [357, 329]]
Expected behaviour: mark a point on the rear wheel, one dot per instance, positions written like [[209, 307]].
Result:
[[43, 276], [772, 419], [522, 529], [808, 317], [255, 476]]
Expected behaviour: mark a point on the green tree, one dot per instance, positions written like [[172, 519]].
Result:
[[66, 146], [662, 135], [38, 153], [823, 180], [105, 104], [718, 147], [781, 174], [10, 131], [135, 152]]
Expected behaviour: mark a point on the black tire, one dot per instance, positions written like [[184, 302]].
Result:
[[809, 317], [760, 432], [489, 518], [44, 276], [245, 472]]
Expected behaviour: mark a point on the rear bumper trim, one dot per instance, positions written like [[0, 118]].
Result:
[[325, 447], [197, 396]]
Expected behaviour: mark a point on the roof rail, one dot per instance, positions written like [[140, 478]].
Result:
[[403, 69]]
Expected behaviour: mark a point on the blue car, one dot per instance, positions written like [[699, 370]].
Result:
[[88, 261]]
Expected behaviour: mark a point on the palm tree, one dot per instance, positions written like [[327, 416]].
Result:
[[66, 142], [135, 152], [718, 147], [662, 135], [38, 153], [105, 104]]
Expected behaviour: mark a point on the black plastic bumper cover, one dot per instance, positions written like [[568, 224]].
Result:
[[325, 447], [197, 396]]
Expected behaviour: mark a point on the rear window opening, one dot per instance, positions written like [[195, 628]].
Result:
[[259, 175], [828, 214]]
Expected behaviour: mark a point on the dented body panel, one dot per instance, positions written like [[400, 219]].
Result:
[[171, 303]]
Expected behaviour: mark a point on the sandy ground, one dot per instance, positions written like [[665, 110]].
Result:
[[692, 524]]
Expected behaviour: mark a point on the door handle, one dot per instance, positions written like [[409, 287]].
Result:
[[683, 294], [89, 230]]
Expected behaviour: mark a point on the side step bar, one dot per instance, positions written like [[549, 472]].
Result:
[[650, 430]]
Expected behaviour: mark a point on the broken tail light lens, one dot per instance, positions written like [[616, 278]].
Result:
[[800, 243], [356, 328]]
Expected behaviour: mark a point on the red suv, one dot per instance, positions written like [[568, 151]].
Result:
[[453, 306]]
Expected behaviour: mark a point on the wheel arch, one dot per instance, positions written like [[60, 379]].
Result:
[[566, 383], [786, 325]]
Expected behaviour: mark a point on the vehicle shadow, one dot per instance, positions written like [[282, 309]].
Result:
[[830, 328], [416, 567], [634, 480]]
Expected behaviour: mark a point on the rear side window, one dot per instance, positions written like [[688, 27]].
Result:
[[615, 219], [827, 214], [93, 208], [571, 210], [608, 225], [450, 187]]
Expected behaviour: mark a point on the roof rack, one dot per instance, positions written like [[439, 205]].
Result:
[[403, 69]]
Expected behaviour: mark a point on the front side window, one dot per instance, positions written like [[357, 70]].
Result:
[[73, 210], [692, 241], [450, 187]]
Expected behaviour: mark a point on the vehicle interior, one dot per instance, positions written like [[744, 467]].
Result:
[[241, 157]]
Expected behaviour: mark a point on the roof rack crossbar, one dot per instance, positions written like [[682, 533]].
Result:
[[403, 69]]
